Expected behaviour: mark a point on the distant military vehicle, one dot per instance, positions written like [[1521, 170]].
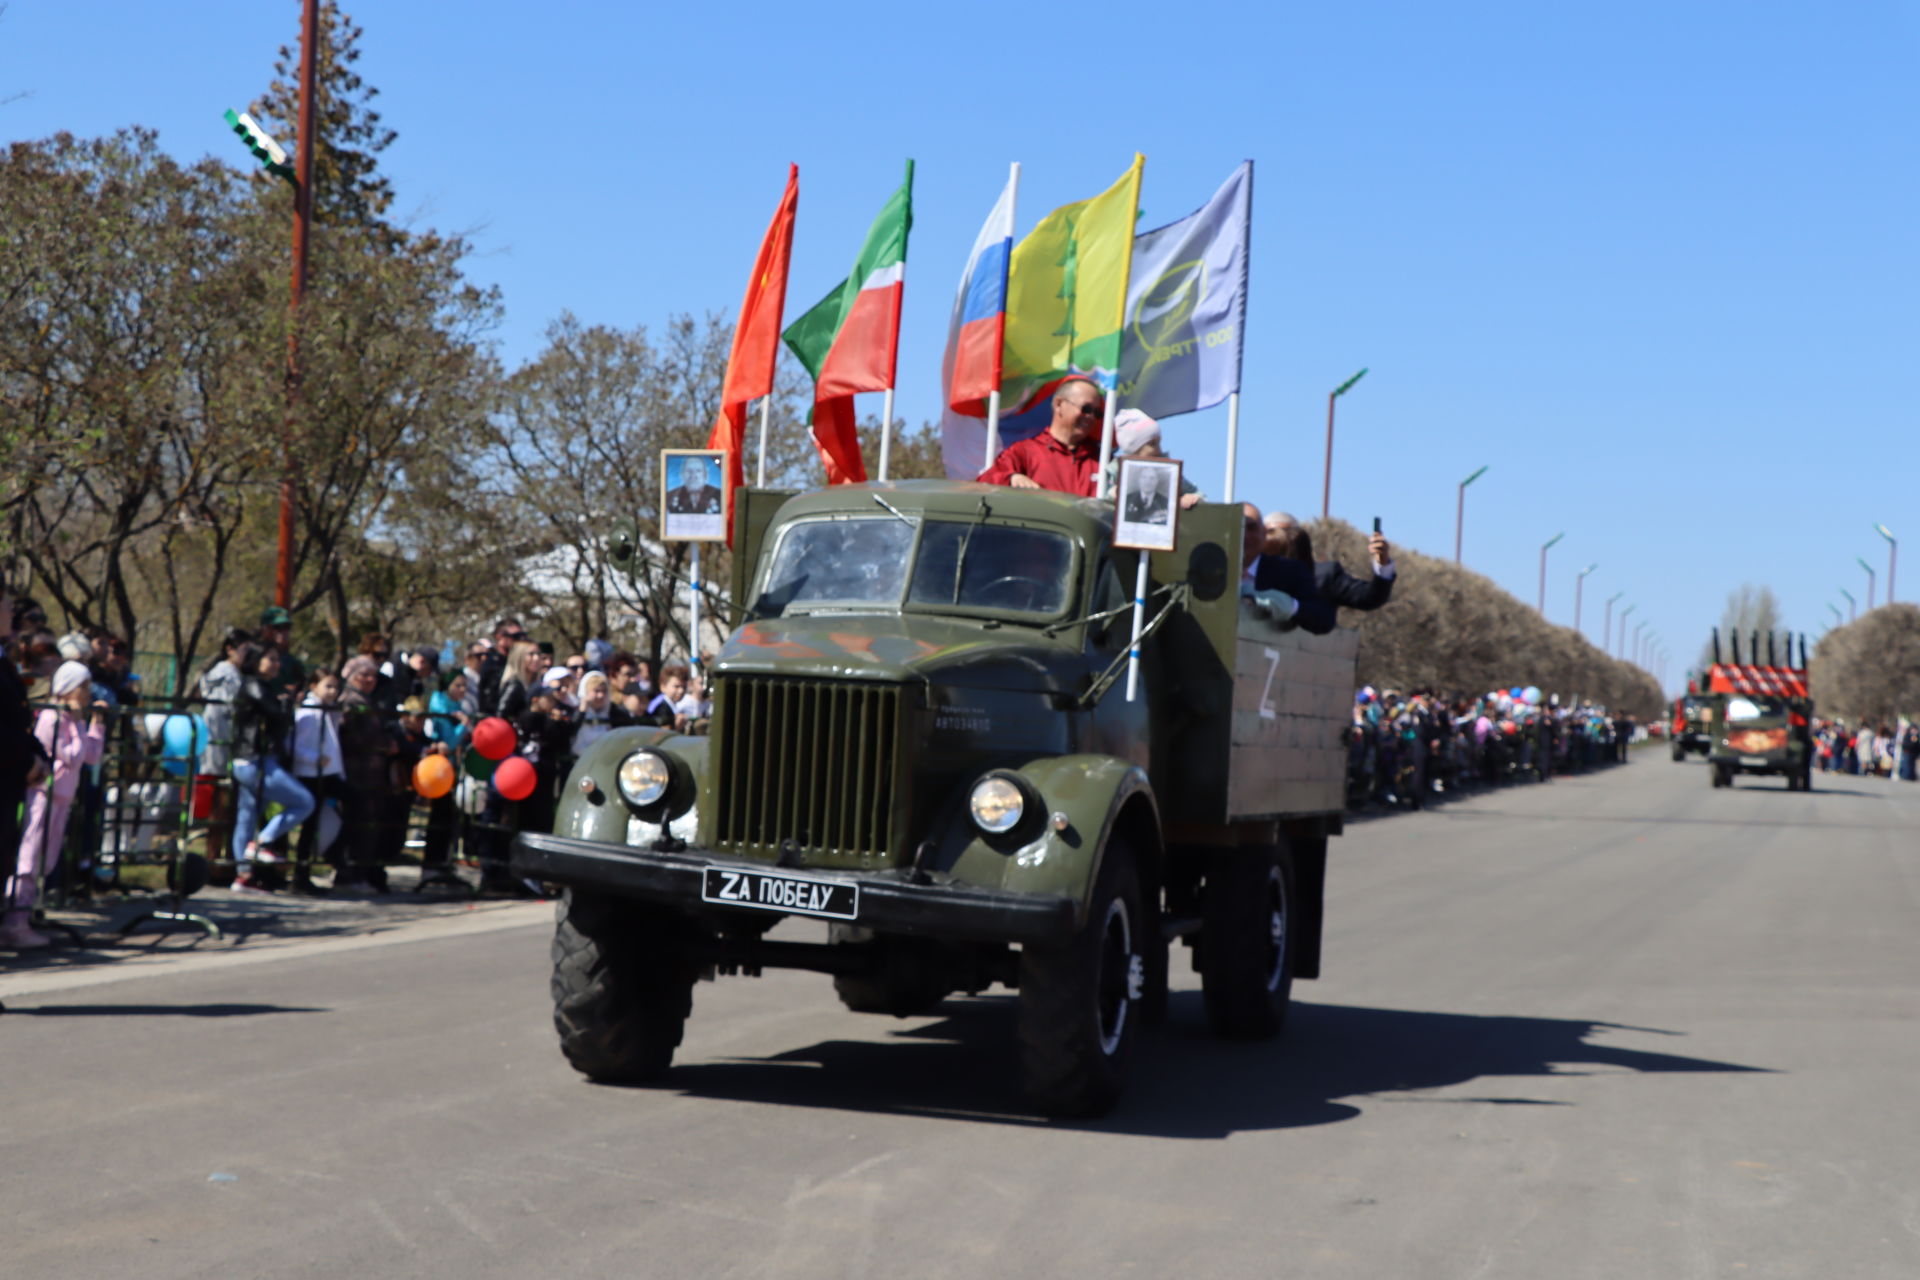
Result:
[[1763, 719], [1693, 719]]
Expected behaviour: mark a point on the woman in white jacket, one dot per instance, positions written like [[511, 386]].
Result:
[[317, 764]]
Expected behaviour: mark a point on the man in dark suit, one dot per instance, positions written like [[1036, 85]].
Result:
[[1279, 587], [1285, 536]]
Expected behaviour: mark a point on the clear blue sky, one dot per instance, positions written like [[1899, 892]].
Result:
[[1658, 264]]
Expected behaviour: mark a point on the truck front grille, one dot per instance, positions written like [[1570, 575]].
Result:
[[810, 761]]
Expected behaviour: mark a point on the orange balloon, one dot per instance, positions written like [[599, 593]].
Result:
[[433, 777]]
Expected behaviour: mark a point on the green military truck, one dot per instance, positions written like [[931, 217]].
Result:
[[922, 738], [1763, 733], [1693, 719]]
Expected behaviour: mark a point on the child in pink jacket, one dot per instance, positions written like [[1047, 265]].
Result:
[[73, 741]]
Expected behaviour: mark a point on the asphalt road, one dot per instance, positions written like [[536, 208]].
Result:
[[1617, 1026]]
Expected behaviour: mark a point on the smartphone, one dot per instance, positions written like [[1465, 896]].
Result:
[[1376, 524]]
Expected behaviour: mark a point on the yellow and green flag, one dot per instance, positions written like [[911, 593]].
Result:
[[1067, 293]]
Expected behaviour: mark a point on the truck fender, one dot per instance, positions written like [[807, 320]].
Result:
[[1094, 793], [601, 814]]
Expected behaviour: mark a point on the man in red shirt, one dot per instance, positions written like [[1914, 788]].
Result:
[[1066, 455]]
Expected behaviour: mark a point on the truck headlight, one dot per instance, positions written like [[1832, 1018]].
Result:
[[997, 804], [644, 778]]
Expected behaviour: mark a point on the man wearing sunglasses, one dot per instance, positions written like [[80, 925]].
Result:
[[506, 633], [1064, 457]]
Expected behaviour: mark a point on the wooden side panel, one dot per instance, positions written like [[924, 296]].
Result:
[[1292, 703]]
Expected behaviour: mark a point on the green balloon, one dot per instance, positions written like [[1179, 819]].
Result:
[[477, 765]]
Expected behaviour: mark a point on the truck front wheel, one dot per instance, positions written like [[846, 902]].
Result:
[[622, 987], [1079, 1001], [1246, 952]]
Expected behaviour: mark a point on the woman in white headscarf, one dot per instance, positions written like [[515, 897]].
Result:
[[73, 739]]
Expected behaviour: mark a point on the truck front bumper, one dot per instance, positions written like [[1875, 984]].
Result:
[[889, 901]]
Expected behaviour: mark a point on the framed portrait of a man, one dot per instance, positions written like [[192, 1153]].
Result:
[[1147, 502], [694, 505]]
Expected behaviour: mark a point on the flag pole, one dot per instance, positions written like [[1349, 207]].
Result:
[[1233, 401], [993, 397], [1139, 617], [694, 567], [886, 432], [1233, 442], [760, 476]]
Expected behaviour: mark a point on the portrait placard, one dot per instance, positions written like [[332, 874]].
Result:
[[693, 505], [1147, 504]]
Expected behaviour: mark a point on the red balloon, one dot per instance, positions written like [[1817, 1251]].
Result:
[[494, 738], [515, 778]]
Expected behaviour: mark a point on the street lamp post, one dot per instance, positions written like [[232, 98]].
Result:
[[1862, 562], [1543, 570], [1853, 606], [1621, 651], [1326, 485], [1579, 581], [1893, 550], [1638, 628], [1836, 611], [1606, 626], [1460, 511], [300, 174]]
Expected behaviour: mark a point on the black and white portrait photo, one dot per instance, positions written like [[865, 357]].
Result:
[[695, 509], [1148, 506]]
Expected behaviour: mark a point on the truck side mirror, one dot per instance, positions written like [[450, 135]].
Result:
[[623, 544]]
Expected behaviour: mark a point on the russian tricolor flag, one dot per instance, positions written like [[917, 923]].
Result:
[[975, 333]]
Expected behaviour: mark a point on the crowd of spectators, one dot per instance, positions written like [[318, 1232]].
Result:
[[310, 771], [1404, 751], [1869, 748], [337, 751]]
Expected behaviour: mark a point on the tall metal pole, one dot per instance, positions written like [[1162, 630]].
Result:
[[1460, 511], [1579, 581], [1862, 562], [302, 218], [1326, 483], [1621, 651], [1893, 550], [1853, 606], [1543, 570], [1606, 627], [1638, 628]]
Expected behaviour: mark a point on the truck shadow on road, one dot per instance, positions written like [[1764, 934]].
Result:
[[1186, 1084]]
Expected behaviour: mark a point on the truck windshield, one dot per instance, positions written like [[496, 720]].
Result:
[[839, 562], [864, 562], [1754, 707], [1021, 570]]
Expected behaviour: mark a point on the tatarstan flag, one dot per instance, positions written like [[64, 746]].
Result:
[[756, 339], [850, 340]]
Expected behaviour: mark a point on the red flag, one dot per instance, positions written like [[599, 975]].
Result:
[[756, 340]]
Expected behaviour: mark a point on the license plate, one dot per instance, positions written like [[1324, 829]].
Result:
[[765, 891], [1753, 759]]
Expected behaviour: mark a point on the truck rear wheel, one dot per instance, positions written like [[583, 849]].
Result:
[[1679, 751], [622, 987], [1246, 943], [1079, 1000]]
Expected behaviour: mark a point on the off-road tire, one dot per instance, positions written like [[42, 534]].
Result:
[[622, 987], [1079, 1000], [1679, 753], [1246, 942], [1722, 775]]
